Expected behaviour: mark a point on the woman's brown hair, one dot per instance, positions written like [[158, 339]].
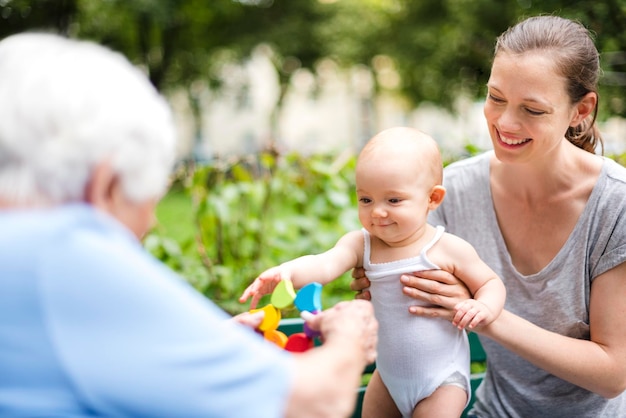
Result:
[[576, 58]]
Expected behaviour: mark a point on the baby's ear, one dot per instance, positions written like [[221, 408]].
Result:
[[437, 193]]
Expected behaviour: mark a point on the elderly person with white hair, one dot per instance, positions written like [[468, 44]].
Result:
[[90, 323]]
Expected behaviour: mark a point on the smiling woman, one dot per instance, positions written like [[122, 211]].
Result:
[[527, 117], [547, 214]]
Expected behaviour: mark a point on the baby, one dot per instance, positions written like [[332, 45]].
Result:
[[423, 363]]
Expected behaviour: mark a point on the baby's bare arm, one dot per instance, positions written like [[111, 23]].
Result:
[[321, 268]]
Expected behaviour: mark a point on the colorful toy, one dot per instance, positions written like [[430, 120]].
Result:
[[277, 337], [283, 295], [298, 343], [308, 301], [309, 298], [271, 318]]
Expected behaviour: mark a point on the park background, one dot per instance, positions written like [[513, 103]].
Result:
[[274, 98]]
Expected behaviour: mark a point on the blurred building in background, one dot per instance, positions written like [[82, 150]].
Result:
[[331, 111]]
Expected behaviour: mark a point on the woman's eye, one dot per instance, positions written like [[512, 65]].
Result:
[[535, 112], [495, 99]]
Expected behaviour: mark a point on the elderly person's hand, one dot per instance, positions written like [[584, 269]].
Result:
[[351, 320], [250, 319]]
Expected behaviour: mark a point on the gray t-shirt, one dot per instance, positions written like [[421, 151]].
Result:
[[556, 298]]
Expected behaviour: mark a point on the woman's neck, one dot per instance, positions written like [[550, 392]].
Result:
[[548, 178]]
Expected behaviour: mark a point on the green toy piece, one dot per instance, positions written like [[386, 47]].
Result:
[[283, 295]]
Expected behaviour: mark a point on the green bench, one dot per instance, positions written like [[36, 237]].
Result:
[[292, 325]]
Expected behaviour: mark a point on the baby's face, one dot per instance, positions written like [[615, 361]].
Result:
[[393, 200]]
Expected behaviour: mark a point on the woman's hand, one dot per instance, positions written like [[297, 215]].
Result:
[[360, 284], [435, 287]]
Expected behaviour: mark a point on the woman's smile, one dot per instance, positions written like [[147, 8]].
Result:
[[511, 141]]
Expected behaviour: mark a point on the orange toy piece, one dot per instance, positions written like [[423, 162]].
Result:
[[277, 337], [298, 343], [271, 318]]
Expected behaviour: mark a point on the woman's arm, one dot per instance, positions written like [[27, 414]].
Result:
[[598, 365]]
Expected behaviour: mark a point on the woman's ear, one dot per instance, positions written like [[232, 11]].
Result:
[[437, 193], [584, 108]]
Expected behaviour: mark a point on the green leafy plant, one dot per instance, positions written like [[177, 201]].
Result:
[[254, 212]]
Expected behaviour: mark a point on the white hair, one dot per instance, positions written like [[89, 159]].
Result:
[[68, 105]]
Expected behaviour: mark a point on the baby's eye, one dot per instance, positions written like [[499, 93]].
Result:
[[365, 200], [395, 200]]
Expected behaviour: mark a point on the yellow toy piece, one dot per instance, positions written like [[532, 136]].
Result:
[[271, 318]]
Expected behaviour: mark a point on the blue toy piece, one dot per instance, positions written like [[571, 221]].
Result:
[[309, 298]]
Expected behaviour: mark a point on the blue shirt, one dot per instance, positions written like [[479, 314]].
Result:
[[92, 325]]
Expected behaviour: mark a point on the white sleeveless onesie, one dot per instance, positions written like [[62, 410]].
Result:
[[415, 354]]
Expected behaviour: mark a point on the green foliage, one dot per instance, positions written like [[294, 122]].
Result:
[[439, 49], [255, 212]]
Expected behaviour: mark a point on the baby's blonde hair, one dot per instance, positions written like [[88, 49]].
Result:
[[406, 143]]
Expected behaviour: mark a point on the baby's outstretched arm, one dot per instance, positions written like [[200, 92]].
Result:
[[264, 284], [321, 268]]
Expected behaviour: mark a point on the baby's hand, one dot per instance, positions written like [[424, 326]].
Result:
[[264, 284], [471, 313]]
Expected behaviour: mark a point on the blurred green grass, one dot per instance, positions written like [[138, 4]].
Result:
[[175, 216]]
